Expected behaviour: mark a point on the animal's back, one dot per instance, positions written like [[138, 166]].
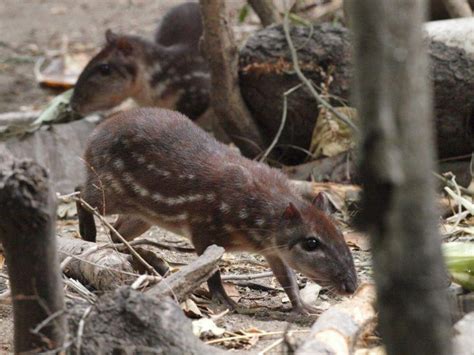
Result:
[[160, 155]]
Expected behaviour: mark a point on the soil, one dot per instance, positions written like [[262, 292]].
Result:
[[35, 28]]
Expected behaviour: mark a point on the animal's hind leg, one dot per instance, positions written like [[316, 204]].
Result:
[[87, 228], [129, 227], [215, 282]]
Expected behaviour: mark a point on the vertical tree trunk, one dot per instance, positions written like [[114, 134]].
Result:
[[266, 11], [458, 8], [394, 100], [27, 232], [222, 55]]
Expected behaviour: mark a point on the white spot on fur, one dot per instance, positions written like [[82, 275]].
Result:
[[228, 228], [260, 221], [201, 74], [153, 168], [210, 197], [118, 164], [176, 218], [225, 208], [243, 213]]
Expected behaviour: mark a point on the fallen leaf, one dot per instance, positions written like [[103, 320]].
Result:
[[359, 240], [232, 291], [67, 210], [191, 309], [206, 328], [60, 71], [309, 294], [330, 135]]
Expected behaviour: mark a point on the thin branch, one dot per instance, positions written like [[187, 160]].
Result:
[[450, 184], [247, 277], [283, 121], [92, 210], [305, 80]]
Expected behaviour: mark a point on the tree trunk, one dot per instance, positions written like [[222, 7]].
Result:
[[393, 98], [325, 56], [227, 103], [27, 231], [266, 11]]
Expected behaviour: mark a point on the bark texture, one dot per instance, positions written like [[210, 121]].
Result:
[[220, 50], [458, 8], [103, 269], [393, 98], [27, 232], [266, 73], [129, 322], [325, 57]]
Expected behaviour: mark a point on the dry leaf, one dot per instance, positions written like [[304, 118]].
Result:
[[206, 328], [60, 71], [359, 240], [330, 135], [191, 309], [232, 291], [309, 294]]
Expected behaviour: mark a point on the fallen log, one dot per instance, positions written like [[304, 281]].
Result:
[[325, 56], [188, 278], [124, 321], [337, 329], [102, 268], [130, 322]]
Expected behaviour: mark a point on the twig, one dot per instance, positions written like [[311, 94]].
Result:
[[80, 329], [67, 260], [450, 184], [155, 243], [461, 200], [251, 335], [80, 289], [92, 210], [283, 121], [271, 346], [306, 82], [247, 277], [46, 321]]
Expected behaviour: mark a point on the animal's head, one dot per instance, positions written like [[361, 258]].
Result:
[[110, 77], [311, 243]]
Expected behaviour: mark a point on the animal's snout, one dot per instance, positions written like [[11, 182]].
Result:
[[348, 286]]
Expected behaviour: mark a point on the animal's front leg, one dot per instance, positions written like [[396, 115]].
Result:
[[286, 277]]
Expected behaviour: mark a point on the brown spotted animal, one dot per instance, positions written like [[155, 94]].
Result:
[[169, 73], [156, 167]]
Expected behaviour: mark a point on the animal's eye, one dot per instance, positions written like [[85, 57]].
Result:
[[310, 244], [105, 69]]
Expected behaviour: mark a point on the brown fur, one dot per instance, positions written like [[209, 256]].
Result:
[[158, 167]]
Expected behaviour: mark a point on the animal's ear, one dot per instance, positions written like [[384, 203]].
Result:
[[322, 202], [124, 45], [291, 212], [110, 36]]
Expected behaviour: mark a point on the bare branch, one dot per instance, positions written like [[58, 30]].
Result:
[[266, 11], [221, 52], [458, 8]]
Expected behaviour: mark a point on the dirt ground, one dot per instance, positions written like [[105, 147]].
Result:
[[33, 28]]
